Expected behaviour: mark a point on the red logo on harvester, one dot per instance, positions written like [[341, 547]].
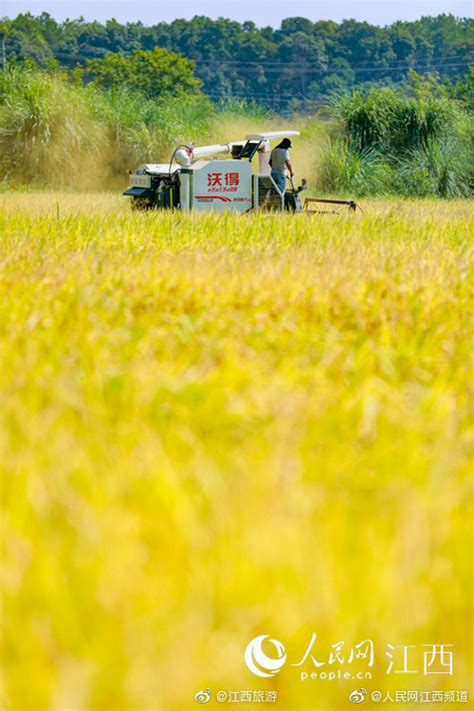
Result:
[[232, 178], [214, 179], [217, 181]]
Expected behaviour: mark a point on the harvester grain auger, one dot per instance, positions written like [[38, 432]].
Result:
[[196, 180]]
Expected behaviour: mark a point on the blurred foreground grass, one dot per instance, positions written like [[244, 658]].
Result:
[[213, 428]]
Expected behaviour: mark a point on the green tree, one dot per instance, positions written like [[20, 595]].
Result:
[[154, 73], [4, 32], [301, 60], [463, 89]]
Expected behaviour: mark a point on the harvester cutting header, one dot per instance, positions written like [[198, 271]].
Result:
[[196, 180]]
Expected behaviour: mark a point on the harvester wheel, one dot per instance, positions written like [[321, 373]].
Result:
[[142, 203]]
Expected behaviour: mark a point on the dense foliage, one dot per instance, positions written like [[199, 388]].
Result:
[[54, 130], [419, 142], [294, 66], [153, 73]]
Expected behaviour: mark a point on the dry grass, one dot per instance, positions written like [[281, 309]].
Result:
[[218, 427]]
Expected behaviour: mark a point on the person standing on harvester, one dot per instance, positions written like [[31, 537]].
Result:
[[280, 162]]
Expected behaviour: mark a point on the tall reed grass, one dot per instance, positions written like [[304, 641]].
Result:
[[390, 143], [48, 134], [53, 131]]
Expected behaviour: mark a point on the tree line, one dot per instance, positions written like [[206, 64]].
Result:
[[296, 66]]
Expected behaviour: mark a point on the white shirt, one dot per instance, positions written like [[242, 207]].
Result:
[[278, 158]]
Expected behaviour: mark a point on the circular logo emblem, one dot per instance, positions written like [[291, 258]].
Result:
[[202, 696], [260, 663], [357, 696]]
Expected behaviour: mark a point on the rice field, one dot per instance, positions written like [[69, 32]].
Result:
[[218, 427]]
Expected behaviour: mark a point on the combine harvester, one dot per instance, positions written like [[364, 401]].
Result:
[[191, 183]]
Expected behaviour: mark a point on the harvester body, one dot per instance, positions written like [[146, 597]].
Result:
[[196, 181]]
